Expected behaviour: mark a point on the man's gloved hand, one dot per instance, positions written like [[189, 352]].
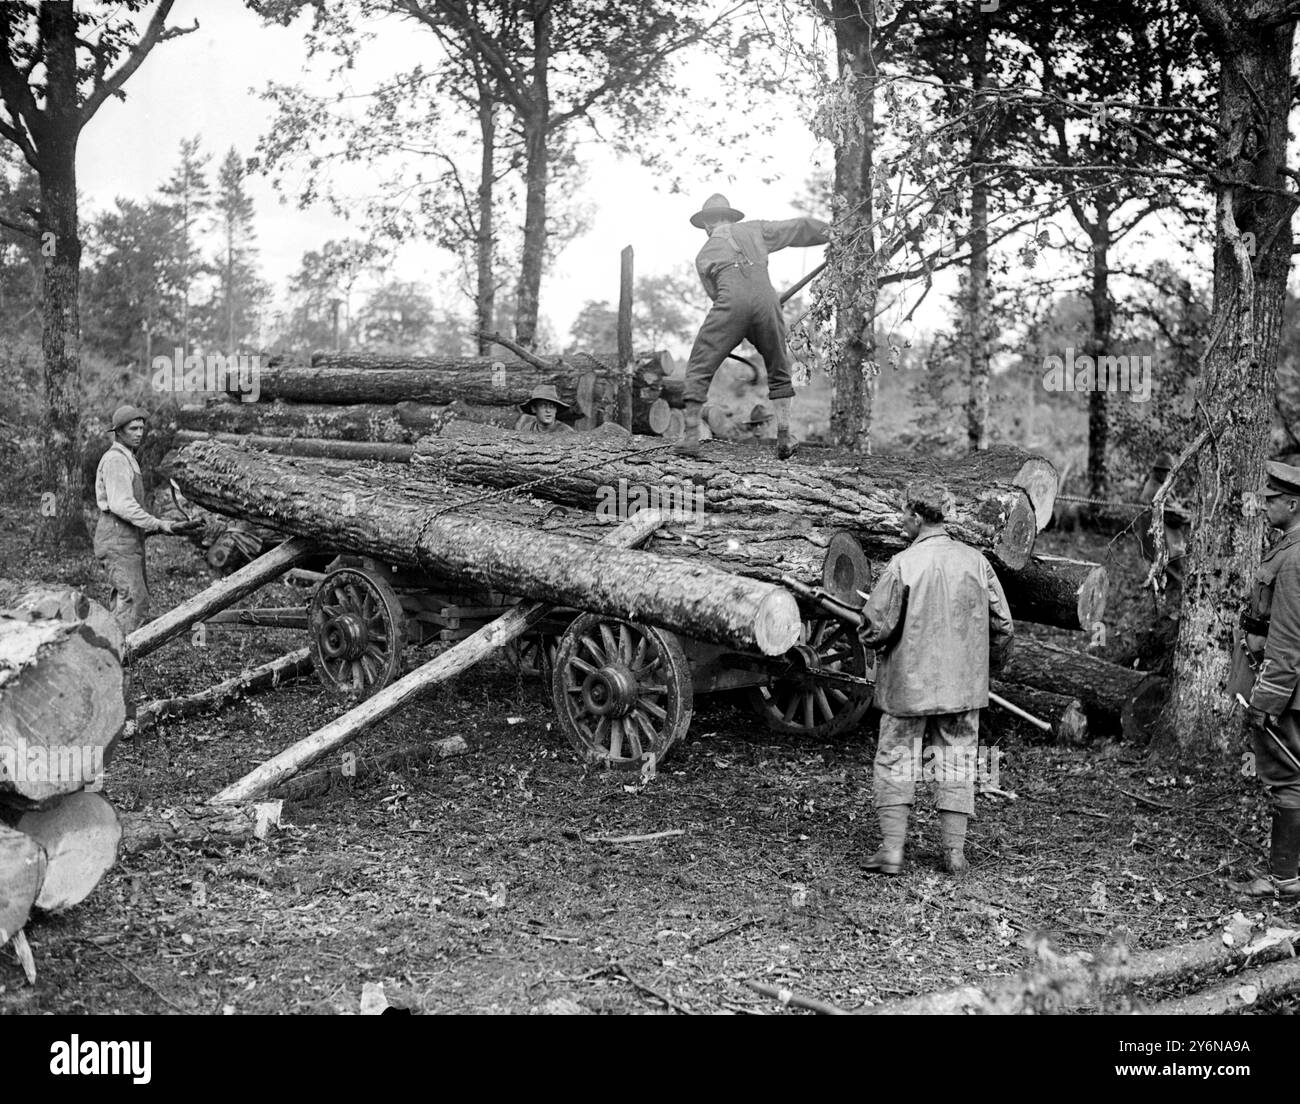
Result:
[[184, 528], [1257, 718]]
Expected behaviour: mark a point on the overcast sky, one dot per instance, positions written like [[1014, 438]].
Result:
[[208, 84]]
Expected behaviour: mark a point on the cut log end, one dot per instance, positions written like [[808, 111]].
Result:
[[80, 835], [1015, 541], [846, 570], [659, 417], [777, 623], [1093, 595], [22, 870], [1039, 479]]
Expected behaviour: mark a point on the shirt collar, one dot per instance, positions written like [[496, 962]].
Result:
[[126, 452]]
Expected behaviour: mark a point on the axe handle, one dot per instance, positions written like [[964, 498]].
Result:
[[1010, 707], [794, 289]]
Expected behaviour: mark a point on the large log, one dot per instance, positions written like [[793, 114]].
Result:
[[62, 708], [1007, 464], [354, 378], [80, 834], [305, 446], [496, 634], [1051, 590], [453, 543], [1104, 688], [864, 497], [22, 870], [31, 601], [219, 595]]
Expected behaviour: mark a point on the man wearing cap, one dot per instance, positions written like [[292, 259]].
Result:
[[1176, 518], [541, 412], [124, 522], [939, 621], [733, 269], [1266, 670]]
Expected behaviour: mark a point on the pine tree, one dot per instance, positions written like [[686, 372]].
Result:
[[239, 290], [187, 196]]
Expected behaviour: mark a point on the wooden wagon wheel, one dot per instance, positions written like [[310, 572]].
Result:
[[800, 704], [356, 627], [621, 690]]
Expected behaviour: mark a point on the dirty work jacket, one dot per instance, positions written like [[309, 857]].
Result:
[[1276, 595], [956, 612]]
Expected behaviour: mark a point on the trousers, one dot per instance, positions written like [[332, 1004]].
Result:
[[119, 547], [746, 308], [942, 748], [1280, 776]]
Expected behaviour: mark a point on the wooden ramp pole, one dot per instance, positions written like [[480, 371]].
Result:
[[489, 638], [218, 596]]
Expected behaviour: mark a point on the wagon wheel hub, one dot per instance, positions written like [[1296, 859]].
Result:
[[610, 691], [344, 637]]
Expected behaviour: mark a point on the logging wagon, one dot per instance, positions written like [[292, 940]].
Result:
[[621, 689]]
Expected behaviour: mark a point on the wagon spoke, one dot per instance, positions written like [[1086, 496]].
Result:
[[624, 642], [839, 695], [826, 709], [808, 719], [632, 735], [602, 730], [590, 644], [582, 665], [654, 710], [607, 638], [638, 656], [615, 738]]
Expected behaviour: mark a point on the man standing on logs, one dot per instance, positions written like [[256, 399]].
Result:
[[124, 522], [1267, 669], [733, 269], [541, 412], [940, 621]]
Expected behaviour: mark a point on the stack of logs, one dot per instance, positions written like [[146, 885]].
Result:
[[741, 510], [363, 407], [62, 710]]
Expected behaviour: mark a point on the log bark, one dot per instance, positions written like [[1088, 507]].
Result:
[[199, 824], [1006, 464], [1143, 717], [456, 544], [1248, 991], [219, 595], [80, 834], [354, 378], [509, 626], [266, 676], [1104, 688], [1051, 590], [305, 446], [22, 870], [864, 497], [62, 708], [1066, 714]]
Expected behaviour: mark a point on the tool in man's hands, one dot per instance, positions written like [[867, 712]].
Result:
[[189, 525], [851, 616], [1270, 730]]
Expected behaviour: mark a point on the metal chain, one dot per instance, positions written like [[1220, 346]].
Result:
[[1102, 502]]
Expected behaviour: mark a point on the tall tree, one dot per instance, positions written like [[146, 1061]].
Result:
[[1252, 259], [188, 196], [57, 67], [239, 289]]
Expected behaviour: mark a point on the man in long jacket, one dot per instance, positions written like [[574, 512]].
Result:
[[939, 619], [1267, 669], [732, 266], [124, 522]]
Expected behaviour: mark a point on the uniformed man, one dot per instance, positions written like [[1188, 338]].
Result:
[[542, 412], [124, 522], [939, 620], [1176, 519], [732, 266], [1267, 668]]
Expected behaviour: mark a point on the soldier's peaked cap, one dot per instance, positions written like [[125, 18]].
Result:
[[1280, 479]]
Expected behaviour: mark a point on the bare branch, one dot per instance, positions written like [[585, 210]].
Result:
[[156, 32]]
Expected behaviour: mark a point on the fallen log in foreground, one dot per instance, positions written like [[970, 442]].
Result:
[[200, 824], [1050, 590], [865, 498], [62, 707], [79, 834], [1103, 688], [693, 599]]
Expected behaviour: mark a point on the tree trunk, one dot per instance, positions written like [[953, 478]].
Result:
[[865, 498], [80, 834], [62, 707], [854, 361], [457, 546], [305, 446], [537, 132], [977, 307], [1252, 259], [1099, 346], [61, 520], [485, 287], [1104, 688], [1049, 590]]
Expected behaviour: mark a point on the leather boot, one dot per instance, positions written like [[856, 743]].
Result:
[[893, 832], [1283, 859], [689, 445], [785, 446], [952, 834]]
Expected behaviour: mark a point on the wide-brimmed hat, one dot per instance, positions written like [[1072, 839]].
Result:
[[759, 415], [714, 206], [125, 415], [545, 392]]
